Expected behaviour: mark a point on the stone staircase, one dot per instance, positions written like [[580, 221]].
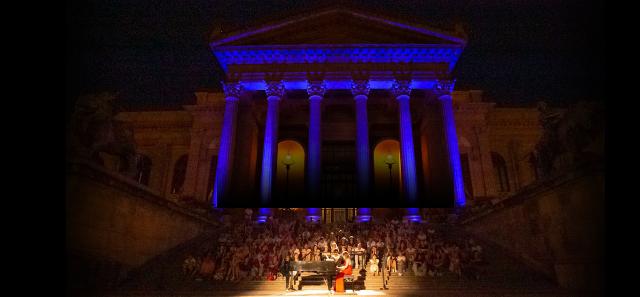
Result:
[[501, 276]]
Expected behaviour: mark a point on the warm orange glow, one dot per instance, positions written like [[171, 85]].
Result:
[[292, 153], [387, 152]]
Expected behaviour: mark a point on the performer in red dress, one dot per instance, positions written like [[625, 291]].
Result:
[[344, 265]]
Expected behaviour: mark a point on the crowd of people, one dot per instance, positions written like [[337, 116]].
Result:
[[250, 251]]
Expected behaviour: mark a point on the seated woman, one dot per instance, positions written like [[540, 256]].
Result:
[[316, 253], [208, 266], [344, 267], [373, 264]]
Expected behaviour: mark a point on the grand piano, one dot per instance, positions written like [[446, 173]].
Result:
[[325, 269]]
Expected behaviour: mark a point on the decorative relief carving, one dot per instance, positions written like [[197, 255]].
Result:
[[360, 87], [444, 86], [275, 88], [232, 89], [401, 87], [316, 88]]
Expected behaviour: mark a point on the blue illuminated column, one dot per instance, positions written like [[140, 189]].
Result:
[[316, 90], [275, 91], [232, 93], [401, 90], [443, 88], [364, 215], [360, 91]]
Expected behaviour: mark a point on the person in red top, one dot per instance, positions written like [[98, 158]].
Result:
[[344, 267]]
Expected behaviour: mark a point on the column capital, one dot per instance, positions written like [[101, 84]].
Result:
[[275, 89], [316, 88], [360, 87], [401, 87], [232, 90], [444, 86]]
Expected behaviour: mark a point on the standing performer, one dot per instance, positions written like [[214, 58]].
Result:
[[359, 256], [344, 266], [285, 269]]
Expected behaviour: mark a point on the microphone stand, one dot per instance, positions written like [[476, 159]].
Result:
[[384, 267]]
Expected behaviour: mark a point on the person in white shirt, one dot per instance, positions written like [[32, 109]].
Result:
[[402, 262], [333, 245], [358, 255], [335, 255], [373, 265]]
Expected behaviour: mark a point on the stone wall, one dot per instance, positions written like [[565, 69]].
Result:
[[556, 226], [113, 220]]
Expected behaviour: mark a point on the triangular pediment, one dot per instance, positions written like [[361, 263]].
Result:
[[337, 26]]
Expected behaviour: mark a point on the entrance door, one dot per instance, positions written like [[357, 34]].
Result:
[[338, 171], [338, 215]]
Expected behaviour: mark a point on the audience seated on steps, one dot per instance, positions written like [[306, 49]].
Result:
[[248, 251]]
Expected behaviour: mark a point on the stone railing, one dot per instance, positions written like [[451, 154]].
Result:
[[114, 222], [114, 179], [555, 225]]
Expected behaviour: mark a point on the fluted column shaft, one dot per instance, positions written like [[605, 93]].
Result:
[[227, 138], [360, 91], [275, 91], [401, 90], [451, 139], [316, 91]]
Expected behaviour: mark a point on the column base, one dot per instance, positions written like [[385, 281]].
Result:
[[363, 218], [313, 219], [412, 218], [263, 215]]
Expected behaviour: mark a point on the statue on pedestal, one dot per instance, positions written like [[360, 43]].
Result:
[[94, 129], [570, 139]]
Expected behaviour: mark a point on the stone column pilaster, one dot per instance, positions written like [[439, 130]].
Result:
[[360, 91], [401, 90], [275, 91], [316, 91], [443, 88], [232, 93]]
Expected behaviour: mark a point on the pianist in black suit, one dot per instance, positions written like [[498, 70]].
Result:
[[285, 269]]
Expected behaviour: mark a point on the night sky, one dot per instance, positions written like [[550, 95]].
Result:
[[155, 53]]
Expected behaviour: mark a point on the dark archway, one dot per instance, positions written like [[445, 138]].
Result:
[[179, 174], [144, 170], [500, 172]]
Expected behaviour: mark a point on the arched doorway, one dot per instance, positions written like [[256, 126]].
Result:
[[290, 170], [500, 172], [465, 162], [144, 170], [179, 174], [386, 167]]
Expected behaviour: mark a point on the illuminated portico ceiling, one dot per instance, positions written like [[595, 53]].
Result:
[[338, 42]]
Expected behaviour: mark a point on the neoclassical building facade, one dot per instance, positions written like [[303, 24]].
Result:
[[337, 106]]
